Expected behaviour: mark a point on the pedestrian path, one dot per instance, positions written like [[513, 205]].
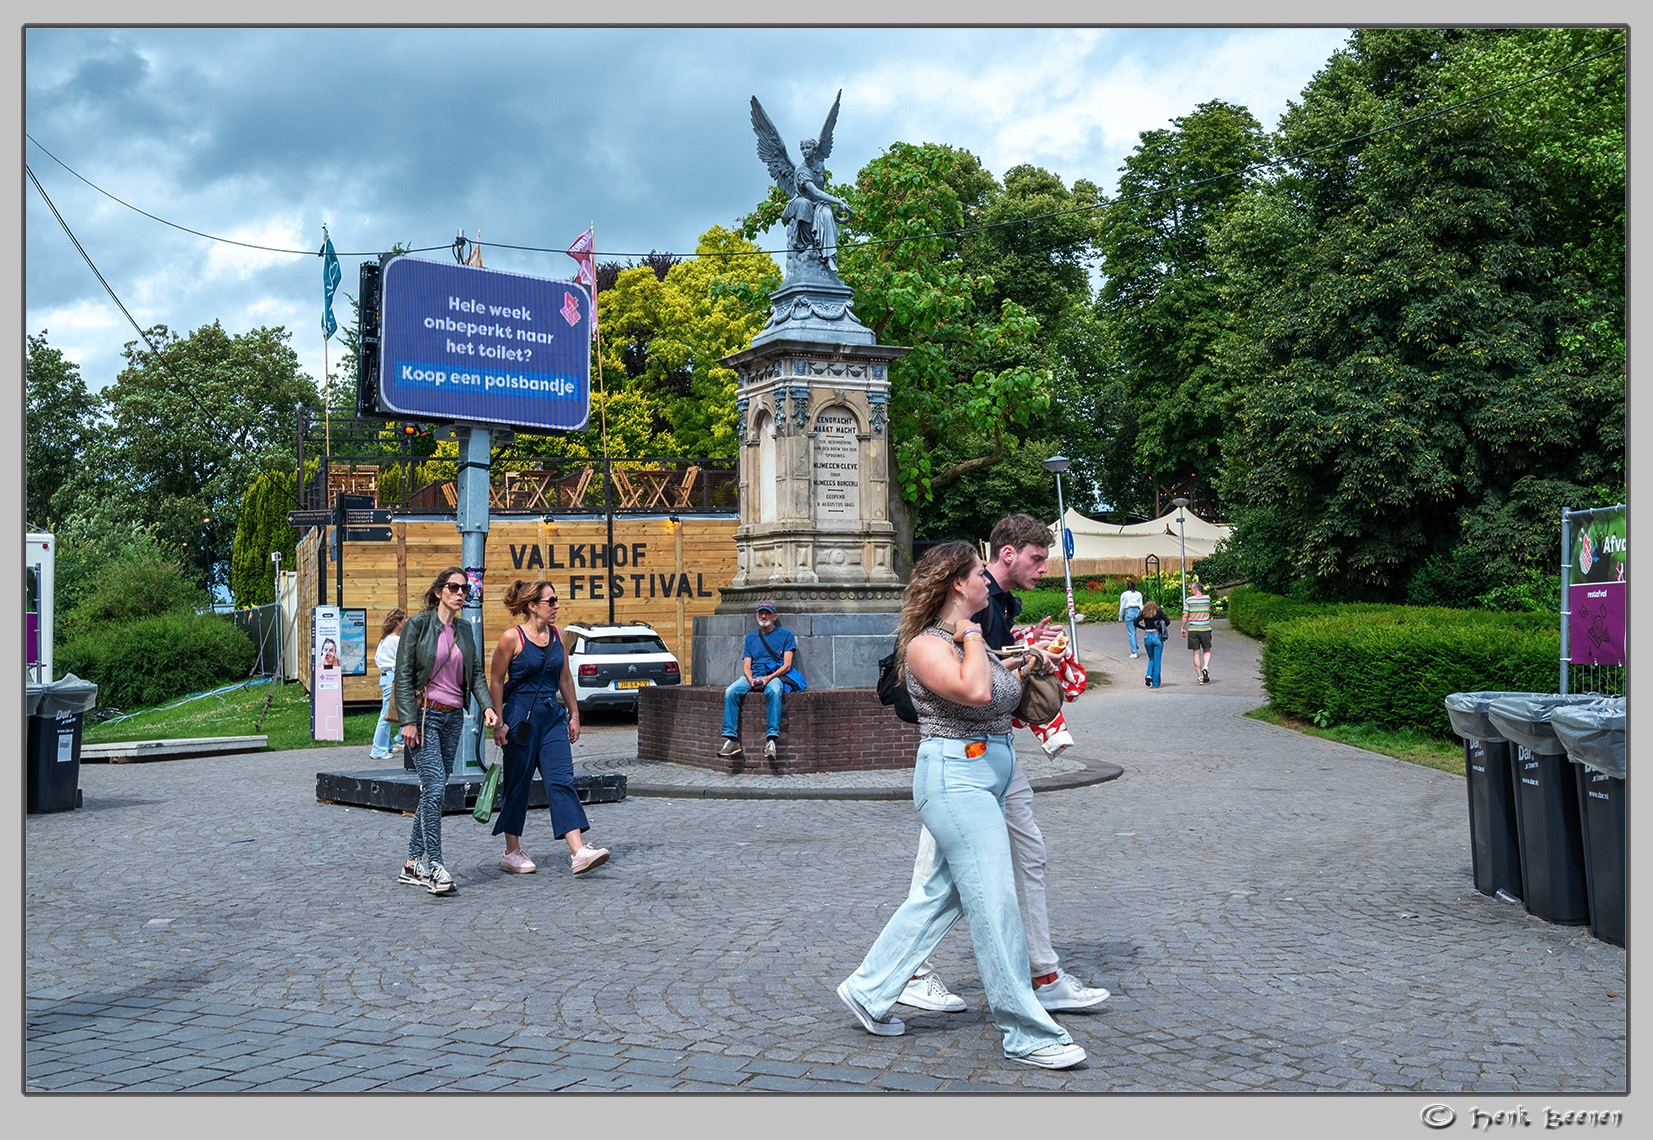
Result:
[[1274, 913]]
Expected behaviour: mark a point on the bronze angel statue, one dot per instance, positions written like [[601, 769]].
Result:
[[811, 217]]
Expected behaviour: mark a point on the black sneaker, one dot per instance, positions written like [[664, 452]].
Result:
[[1205, 676], [1149, 681]]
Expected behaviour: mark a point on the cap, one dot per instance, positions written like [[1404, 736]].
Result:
[[770, 606]]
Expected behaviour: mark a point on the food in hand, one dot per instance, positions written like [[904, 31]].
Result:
[[1058, 643]]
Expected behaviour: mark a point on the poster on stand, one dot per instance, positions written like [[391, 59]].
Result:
[[327, 686], [353, 642], [1596, 587]]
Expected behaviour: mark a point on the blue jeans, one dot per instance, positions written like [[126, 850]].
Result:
[[731, 705], [961, 801], [385, 733], [433, 760], [1151, 641], [1131, 613]]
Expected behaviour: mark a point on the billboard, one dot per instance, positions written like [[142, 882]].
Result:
[[459, 342], [1596, 588]]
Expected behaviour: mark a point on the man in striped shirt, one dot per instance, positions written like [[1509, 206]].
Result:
[[1196, 627]]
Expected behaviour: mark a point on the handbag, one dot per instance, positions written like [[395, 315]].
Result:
[[1041, 698], [484, 809], [892, 691], [793, 679]]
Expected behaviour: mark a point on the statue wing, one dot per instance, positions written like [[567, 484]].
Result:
[[823, 145], [772, 150]]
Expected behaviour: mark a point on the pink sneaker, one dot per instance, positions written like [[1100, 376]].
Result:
[[587, 858], [516, 862]]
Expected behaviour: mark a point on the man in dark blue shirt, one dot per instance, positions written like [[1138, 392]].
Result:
[[766, 657]]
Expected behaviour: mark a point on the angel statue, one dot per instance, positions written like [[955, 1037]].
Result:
[[811, 217]]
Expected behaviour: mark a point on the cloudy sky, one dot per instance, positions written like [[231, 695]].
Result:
[[228, 149]]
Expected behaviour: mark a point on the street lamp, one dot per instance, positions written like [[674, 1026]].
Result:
[[1182, 540], [1057, 464]]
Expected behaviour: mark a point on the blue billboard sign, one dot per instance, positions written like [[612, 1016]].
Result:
[[458, 342]]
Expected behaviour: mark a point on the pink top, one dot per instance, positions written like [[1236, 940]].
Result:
[[447, 673]]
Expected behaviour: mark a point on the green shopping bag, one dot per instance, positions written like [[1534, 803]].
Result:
[[484, 809]]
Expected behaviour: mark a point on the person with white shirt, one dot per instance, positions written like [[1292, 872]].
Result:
[[1130, 605]]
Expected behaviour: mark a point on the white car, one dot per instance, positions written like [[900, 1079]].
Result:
[[610, 663]]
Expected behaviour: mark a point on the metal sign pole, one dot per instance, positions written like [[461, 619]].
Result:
[[471, 493]]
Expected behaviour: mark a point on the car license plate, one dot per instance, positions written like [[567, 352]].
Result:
[[632, 684]]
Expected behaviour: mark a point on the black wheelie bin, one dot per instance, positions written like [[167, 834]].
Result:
[[57, 711], [1546, 806], [1593, 735], [1494, 845]]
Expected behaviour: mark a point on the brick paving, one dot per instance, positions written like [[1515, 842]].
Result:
[[1274, 914]]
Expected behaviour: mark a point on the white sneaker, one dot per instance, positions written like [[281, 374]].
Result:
[[769, 748], [586, 858], [1133, 657], [731, 747], [928, 991], [439, 882], [1069, 993], [889, 1027], [1052, 1057]]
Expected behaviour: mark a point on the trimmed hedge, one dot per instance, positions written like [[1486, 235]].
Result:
[[1393, 666], [144, 662]]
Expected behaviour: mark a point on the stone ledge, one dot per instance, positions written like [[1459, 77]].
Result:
[[822, 730]]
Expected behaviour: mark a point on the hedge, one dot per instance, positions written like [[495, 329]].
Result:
[[1393, 666], [144, 662]]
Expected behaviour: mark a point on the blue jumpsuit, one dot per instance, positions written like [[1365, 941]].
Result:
[[542, 743]]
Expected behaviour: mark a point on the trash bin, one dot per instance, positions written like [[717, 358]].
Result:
[[1494, 845], [57, 712], [1594, 737], [1546, 806]]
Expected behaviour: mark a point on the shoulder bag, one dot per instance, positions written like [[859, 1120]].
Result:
[[793, 679]]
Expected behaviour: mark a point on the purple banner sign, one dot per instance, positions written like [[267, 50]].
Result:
[[1600, 557]]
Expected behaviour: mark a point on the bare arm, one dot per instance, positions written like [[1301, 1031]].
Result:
[[504, 651], [566, 684]]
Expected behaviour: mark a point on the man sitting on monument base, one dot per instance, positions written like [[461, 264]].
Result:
[[765, 663]]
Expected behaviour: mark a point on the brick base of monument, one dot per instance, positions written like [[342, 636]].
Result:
[[822, 730]]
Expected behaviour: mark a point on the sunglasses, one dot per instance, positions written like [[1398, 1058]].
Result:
[[453, 585], [546, 602]]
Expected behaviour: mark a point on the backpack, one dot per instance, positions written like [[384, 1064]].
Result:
[[892, 690]]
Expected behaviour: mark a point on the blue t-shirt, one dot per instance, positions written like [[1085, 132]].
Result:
[[763, 662]]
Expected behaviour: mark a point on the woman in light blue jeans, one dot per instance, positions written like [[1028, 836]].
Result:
[[964, 698], [390, 634]]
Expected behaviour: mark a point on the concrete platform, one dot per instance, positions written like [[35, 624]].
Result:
[[396, 789], [128, 751]]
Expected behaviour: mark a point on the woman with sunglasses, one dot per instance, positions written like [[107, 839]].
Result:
[[437, 668], [527, 673]]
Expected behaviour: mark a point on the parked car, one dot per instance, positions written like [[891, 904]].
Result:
[[610, 663]]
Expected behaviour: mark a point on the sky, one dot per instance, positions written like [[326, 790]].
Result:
[[255, 138]]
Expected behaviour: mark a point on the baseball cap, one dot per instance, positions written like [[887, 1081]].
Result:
[[770, 606]]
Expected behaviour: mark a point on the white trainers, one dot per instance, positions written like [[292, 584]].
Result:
[[889, 1027], [928, 991], [1133, 657], [1052, 1057], [731, 747], [1069, 993], [586, 858], [439, 882], [769, 748]]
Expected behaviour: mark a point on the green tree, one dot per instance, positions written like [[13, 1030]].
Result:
[[1406, 388], [190, 426], [1160, 298], [261, 528], [60, 415]]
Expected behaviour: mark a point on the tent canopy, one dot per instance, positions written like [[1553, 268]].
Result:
[[1095, 539]]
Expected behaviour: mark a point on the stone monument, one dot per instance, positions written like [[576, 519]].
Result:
[[815, 534]]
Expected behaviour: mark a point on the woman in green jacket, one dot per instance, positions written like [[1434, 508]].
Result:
[[437, 665]]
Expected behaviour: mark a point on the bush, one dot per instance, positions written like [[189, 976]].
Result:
[[1394, 666], [141, 579], [144, 662]]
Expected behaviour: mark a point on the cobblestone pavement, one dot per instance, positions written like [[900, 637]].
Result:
[[1273, 913]]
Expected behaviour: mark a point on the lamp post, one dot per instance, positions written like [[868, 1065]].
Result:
[[1057, 464], [1182, 541]]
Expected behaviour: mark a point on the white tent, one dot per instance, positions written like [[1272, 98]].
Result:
[[1135, 541]]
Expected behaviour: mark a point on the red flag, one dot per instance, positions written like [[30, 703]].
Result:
[[580, 251]]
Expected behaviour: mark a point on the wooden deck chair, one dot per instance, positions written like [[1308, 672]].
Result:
[[571, 490], [681, 493]]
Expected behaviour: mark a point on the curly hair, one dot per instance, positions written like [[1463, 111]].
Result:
[[1017, 531], [393, 618], [434, 593], [521, 594], [927, 591]]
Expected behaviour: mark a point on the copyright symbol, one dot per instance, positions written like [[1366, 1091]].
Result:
[[1438, 1116]]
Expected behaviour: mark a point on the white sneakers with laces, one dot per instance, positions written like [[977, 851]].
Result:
[[1052, 1057], [928, 991], [1069, 993]]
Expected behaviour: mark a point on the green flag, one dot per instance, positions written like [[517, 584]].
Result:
[[329, 284]]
